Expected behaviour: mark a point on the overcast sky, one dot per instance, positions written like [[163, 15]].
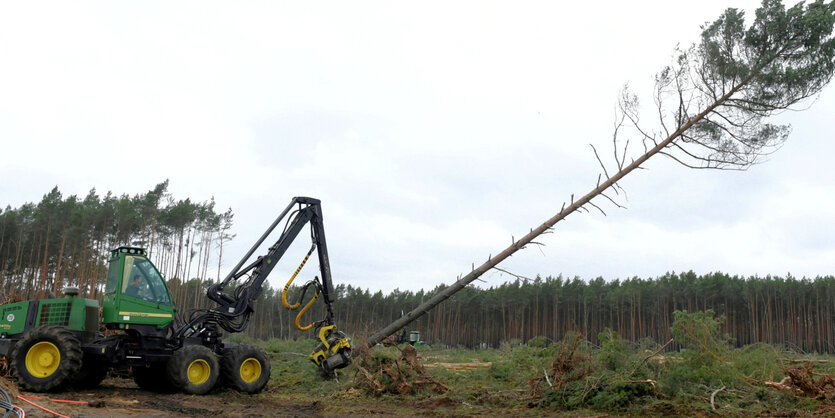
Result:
[[432, 132]]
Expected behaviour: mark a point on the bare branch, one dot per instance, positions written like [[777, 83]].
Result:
[[617, 187], [526, 279], [623, 157], [713, 395], [598, 208], [618, 125], [599, 161], [612, 200], [650, 356]]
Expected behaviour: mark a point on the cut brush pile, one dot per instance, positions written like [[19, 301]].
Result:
[[393, 370]]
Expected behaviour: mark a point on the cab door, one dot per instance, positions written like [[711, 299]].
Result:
[[138, 295]]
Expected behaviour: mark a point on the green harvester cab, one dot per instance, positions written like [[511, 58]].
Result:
[[135, 293]]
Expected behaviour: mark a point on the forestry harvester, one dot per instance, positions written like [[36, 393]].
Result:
[[53, 343]]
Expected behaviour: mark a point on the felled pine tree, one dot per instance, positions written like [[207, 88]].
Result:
[[713, 108]]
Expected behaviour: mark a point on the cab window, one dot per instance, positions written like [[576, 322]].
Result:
[[141, 280], [112, 276]]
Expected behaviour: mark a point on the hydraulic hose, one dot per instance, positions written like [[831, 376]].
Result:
[[6, 403], [289, 282], [306, 307]]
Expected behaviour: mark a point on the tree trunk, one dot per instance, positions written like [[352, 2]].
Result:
[[44, 266], [547, 225], [59, 278]]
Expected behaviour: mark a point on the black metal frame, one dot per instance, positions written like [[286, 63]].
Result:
[[234, 310]]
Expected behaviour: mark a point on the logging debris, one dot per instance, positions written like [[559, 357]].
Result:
[[4, 366], [378, 371], [804, 381], [568, 365]]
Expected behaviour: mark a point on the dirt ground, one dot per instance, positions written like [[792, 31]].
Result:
[[118, 397]]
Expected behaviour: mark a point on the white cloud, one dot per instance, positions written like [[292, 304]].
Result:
[[433, 132]]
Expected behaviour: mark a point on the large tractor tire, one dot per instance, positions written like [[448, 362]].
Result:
[[91, 374], [193, 369], [47, 358], [153, 378], [245, 368]]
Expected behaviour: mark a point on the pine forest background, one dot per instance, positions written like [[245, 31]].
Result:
[[65, 241]]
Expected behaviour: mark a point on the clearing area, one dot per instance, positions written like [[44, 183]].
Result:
[[571, 377]]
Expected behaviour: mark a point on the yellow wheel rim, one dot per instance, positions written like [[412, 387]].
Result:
[[198, 372], [43, 359], [250, 370]]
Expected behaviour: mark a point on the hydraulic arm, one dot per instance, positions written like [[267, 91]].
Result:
[[234, 309]]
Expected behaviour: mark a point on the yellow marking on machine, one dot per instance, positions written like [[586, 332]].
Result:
[[146, 314], [306, 307], [289, 282], [319, 356]]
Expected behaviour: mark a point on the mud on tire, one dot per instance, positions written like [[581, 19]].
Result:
[[245, 368], [193, 369], [47, 358]]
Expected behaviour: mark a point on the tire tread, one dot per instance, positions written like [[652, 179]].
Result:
[[71, 358], [231, 364], [177, 369]]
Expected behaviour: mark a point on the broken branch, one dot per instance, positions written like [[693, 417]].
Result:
[[713, 395]]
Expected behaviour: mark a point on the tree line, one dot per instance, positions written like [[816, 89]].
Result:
[[797, 313], [66, 241]]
